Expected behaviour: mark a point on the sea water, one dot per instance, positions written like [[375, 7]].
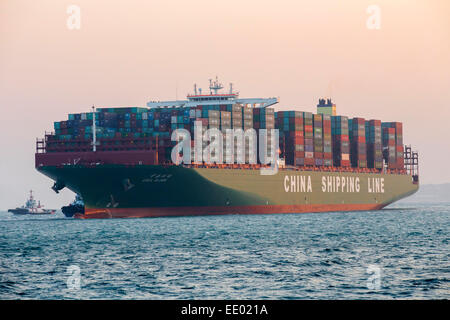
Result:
[[397, 253]]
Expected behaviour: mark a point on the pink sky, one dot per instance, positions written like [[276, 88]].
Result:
[[129, 52]]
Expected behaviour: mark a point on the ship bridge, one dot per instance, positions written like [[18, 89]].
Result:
[[214, 98]]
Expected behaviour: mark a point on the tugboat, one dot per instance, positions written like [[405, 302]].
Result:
[[76, 207], [32, 207]]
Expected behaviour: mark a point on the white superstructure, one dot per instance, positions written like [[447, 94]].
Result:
[[214, 98]]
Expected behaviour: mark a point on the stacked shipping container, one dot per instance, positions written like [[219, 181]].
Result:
[[318, 139], [341, 142], [327, 142], [236, 115], [264, 118], [393, 144], [305, 139], [374, 144], [358, 153], [389, 146], [308, 133], [247, 118], [290, 126]]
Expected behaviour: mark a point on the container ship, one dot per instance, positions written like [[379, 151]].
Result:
[[119, 160]]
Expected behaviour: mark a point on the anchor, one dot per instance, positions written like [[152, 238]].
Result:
[[58, 185]]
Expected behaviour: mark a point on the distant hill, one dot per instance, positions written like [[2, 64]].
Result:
[[431, 193]]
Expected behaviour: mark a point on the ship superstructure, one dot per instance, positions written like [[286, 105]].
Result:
[[31, 207]]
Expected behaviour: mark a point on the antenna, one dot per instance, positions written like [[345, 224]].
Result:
[[214, 85], [231, 88], [94, 134], [195, 88]]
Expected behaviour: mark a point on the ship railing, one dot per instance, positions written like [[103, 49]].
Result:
[[247, 166], [168, 164], [291, 168], [255, 167]]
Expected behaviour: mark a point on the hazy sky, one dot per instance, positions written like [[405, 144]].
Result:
[[129, 52]]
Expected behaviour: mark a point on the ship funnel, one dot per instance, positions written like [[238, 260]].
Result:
[[326, 106]]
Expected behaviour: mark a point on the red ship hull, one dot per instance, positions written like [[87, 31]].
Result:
[[223, 210]]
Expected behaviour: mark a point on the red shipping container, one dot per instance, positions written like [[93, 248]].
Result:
[[341, 137], [295, 154], [375, 123], [298, 140], [361, 139], [296, 133], [345, 163], [296, 121], [397, 125], [204, 121]]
